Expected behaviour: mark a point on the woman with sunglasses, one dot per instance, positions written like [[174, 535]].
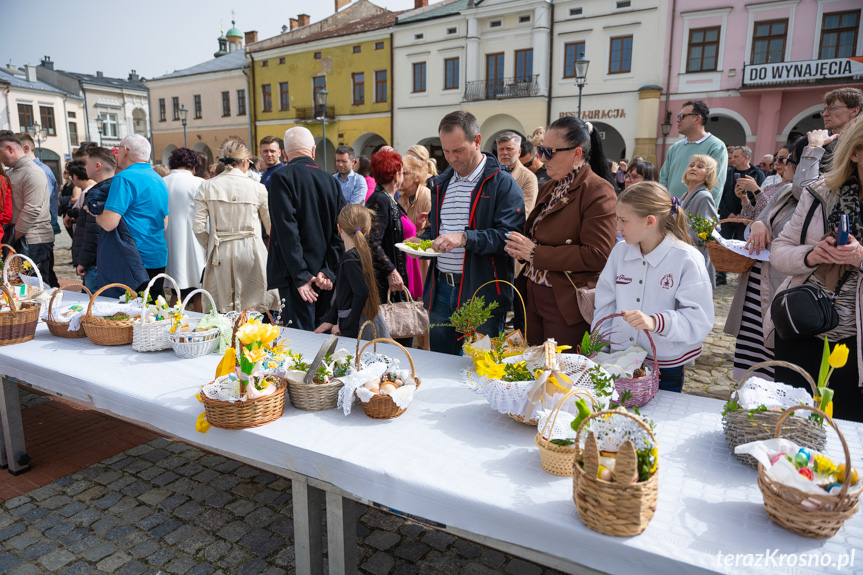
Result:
[[568, 235]]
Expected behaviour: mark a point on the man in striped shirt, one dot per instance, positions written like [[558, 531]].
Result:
[[475, 203]]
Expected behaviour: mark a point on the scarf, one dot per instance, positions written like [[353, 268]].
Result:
[[848, 202]]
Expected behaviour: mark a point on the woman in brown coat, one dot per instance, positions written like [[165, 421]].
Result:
[[568, 235]]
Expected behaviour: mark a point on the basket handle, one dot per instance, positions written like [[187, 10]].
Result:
[[10, 298], [776, 434], [10, 248], [100, 290], [192, 294], [611, 412], [23, 257], [784, 364], [360, 335], [731, 221], [144, 306], [556, 410], [241, 319], [523, 306], [388, 340], [56, 291], [649, 338]]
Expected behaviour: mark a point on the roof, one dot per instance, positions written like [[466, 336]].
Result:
[[368, 24], [439, 10], [233, 61], [21, 82], [106, 81], [233, 31]]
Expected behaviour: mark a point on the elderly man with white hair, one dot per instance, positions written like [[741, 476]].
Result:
[[139, 196], [305, 246]]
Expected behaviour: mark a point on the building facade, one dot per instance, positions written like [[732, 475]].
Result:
[[763, 68]]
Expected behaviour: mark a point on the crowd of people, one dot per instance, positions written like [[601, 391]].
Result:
[[548, 213]]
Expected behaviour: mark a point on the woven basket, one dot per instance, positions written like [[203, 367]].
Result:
[[725, 260], [192, 344], [249, 413], [558, 459], [152, 336], [103, 331], [743, 426], [621, 509], [12, 262], [382, 406], [19, 323], [61, 328], [827, 514], [310, 396], [477, 354], [642, 389], [11, 275]]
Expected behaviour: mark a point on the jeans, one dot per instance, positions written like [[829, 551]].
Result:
[[91, 279], [671, 379], [446, 339]]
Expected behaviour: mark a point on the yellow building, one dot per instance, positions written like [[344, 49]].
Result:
[[352, 61]]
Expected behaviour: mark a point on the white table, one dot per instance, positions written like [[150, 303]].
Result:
[[449, 460]]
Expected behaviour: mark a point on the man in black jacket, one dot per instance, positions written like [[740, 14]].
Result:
[[730, 205], [100, 167], [305, 246]]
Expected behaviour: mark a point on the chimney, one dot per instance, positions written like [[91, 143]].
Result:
[[420, 3], [47, 63], [251, 37], [341, 4], [302, 20], [30, 72], [294, 23], [133, 76], [99, 74]]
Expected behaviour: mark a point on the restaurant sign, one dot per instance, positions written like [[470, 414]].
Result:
[[802, 72], [609, 114]]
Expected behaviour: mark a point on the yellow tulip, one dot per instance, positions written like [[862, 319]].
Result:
[[268, 333], [202, 424], [248, 333], [486, 367], [255, 356], [228, 363], [839, 356], [562, 348]]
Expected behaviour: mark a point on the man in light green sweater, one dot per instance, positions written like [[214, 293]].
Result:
[[690, 123]]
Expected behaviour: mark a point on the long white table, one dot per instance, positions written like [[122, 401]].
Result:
[[448, 460]]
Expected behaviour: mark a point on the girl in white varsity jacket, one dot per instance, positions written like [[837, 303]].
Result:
[[658, 280]]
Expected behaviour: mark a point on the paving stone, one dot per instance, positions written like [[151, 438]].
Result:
[[225, 482], [211, 460], [380, 520], [108, 500], [467, 549], [233, 558], [106, 524], [188, 510], [23, 541], [22, 509], [181, 565], [78, 568], [180, 534], [189, 469], [77, 487], [119, 532], [206, 475], [197, 541], [265, 478], [201, 569], [114, 562], [173, 502], [43, 492], [219, 498], [411, 550], [154, 496], [478, 569], [438, 539], [234, 530], [156, 455], [284, 527], [228, 466], [379, 564], [382, 540], [412, 530], [165, 478], [137, 466], [216, 550], [86, 516], [261, 517], [214, 519], [144, 549], [95, 492], [246, 471], [152, 521], [8, 561], [202, 492], [72, 509], [27, 569], [492, 558], [56, 501], [34, 552], [60, 530], [440, 563], [172, 462], [405, 569], [120, 483], [161, 557], [48, 522], [247, 490], [122, 507], [56, 559], [264, 549], [17, 502], [132, 568], [72, 537], [252, 567], [139, 450], [119, 461], [519, 567], [99, 551], [268, 496], [108, 477], [285, 557], [241, 507], [35, 514], [164, 529], [137, 514], [185, 486], [85, 543]]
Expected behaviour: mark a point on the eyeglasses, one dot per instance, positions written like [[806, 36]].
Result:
[[780, 159], [831, 109], [527, 163], [681, 115], [548, 153], [633, 176]]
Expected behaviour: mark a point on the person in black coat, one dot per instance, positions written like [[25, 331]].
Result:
[[305, 246]]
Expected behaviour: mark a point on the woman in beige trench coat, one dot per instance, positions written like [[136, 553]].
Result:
[[229, 210]]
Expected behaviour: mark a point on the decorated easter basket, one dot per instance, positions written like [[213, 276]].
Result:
[[309, 396], [103, 331], [61, 328], [558, 459], [382, 406], [151, 336], [25, 267], [249, 413], [641, 389], [807, 514], [620, 509], [725, 260], [744, 426], [189, 344], [12, 268], [477, 354], [18, 324]]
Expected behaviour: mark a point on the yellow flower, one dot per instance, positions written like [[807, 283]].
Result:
[[562, 348], [268, 333], [489, 368], [655, 456], [248, 333], [823, 465], [839, 356], [228, 363], [272, 364], [202, 424], [255, 356]]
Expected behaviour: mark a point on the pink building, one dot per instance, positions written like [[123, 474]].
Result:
[[762, 67]]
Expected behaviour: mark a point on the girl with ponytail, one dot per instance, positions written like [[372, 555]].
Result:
[[658, 281], [356, 299]]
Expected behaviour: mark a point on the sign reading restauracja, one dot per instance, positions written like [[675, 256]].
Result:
[[803, 71], [612, 114]]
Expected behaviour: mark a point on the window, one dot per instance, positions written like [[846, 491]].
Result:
[[71, 115], [703, 48], [419, 77], [524, 65], [282, 60], [109, 124], [318, 83], [226, 104], [576, 11], [25, 116], [73, 133], [839, 35], [573, 52], [265, 63], [197, 99], [450, 78], [451, 31], [175, 107], [495, 24], [241, 102], [266, 98], [284, 97], [768, 42], [356, 49], [494, 75], [623, 4], [162, 109], [317, 55], [379, 45], [381, 86], [419, 36], [47, 115], [523, 19], [358, 80], [620, 60]]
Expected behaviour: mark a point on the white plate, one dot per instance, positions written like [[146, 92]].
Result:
[[418, 253]]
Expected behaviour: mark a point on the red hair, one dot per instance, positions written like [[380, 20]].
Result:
[[385, 165]]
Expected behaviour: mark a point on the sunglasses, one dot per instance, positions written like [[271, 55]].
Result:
[[548, 153], [681, 115], [781, 159]]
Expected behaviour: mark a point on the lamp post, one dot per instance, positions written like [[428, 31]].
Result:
[[39, 134], [183, 113], [666, 129], [100, 125], [581, 79], [321, 102]]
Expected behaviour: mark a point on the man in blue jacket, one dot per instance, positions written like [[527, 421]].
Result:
[[475, 202]]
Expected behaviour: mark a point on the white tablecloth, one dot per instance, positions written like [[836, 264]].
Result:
[[452, 460]]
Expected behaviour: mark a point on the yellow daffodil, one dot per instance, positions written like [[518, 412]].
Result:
[[228, 362], [839, 356], [248, 333], [655, 456], [198, 397], [268, 333], [823, 465], [255, 356], [488, 368], [562, 348], [202, 424], [272, 364]]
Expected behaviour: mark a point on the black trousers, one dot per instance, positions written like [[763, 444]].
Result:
[[158, 288]]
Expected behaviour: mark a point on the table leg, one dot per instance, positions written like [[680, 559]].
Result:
[[308, 531], [342, 534], [13, 428]]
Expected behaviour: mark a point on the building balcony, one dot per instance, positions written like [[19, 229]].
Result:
[[503, 89], [801, 72], [313, 113]]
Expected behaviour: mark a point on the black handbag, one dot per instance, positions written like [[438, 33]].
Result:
[[805, 311]]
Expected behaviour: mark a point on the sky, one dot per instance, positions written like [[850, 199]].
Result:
[[154, 37]]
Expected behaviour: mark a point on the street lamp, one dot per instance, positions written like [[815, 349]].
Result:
[[321, 102], [39, 134], [666, 129], [100, 124], [581, 79], [183, 113]]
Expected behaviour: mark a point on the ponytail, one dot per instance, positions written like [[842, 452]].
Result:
[[583, 134], [652, 199], [355, 221]]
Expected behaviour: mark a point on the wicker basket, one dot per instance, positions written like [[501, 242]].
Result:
[[725, 260], [10, 275], [192, 344], [382, 406], [621, 509], [642, 389], [151, 336], [826, 513], [103, 331], [477, 354], [558, 459], [310, 396], [19, 323], [61, 328], [12, 263], [743, 426], [249, 413]]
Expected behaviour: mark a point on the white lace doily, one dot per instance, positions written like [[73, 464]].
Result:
[[370, 357], [353, 384], [562, 428], [612, 431], [757, 391], [224, 389]]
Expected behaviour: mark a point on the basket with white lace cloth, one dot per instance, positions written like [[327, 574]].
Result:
[[370, 368], [26, 287], [193, 342], [148, 333], [58, 320]]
